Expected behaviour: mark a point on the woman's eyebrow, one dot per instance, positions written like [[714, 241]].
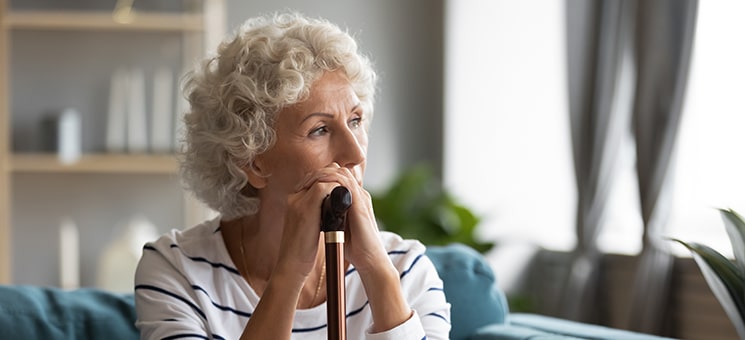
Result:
[[317, 114], [328, 115]]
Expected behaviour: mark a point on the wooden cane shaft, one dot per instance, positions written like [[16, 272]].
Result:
[[336, 310]]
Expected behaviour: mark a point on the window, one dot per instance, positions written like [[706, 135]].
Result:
[[508, 147]]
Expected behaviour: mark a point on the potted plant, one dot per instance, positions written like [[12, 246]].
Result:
[[417, 206], [726, 278]]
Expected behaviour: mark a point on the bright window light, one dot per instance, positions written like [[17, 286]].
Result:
[[711, 146], [508, 148]]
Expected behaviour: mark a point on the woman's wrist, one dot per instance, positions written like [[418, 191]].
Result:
[[288, 276]]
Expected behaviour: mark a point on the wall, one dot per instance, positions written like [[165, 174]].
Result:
[[405, 41]]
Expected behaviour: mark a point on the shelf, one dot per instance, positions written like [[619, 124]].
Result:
[[179, 31], [78, 20], [95, 163]]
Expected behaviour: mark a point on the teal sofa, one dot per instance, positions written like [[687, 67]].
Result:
[[479, 309]]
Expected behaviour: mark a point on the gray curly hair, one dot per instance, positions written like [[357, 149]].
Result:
[[235, 97]]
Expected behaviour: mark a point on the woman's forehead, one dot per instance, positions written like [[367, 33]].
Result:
[[330, 93]]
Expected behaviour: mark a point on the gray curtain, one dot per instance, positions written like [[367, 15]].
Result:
[[655, 37], [596, 36], [664, 44]]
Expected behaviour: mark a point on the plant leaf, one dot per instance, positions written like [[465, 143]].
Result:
[[735, 226], [724, 279], [417, 206]]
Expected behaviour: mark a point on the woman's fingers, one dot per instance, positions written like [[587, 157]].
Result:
[[344, 176], [361, 224]]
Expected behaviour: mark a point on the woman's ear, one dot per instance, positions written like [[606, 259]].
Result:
[[255, 173]]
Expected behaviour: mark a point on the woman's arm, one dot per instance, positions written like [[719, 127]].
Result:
[[421, 289], [387, 303], [272, 318]]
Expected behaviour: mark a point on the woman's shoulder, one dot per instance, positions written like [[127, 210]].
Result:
[[192, 237], [192, 250], [199, 231]]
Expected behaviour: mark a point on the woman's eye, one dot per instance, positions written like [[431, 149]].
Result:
[[319, 131], [356, 122]]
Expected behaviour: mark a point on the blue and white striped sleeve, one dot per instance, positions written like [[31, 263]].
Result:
[[423, 290]]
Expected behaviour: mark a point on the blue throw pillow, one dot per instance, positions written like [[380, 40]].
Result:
[[470, 287]]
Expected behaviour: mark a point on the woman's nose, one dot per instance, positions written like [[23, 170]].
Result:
[[350, 149]]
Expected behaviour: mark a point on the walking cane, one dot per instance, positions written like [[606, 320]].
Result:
[[333, 213]]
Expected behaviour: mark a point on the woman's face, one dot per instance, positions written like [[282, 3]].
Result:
[[326, 128]]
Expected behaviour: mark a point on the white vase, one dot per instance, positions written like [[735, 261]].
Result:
[[69, 142]]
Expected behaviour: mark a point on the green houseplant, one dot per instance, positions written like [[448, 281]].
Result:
[[726, 278], [417, 206]]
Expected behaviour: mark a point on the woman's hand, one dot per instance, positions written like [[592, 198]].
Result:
[[363, 247], [300, 236]]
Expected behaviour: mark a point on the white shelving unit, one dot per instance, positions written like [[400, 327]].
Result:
[[201, 25]]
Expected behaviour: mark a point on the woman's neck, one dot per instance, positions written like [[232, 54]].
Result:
[[258, 237]]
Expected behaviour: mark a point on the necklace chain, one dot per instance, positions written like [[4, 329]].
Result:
[[245, 271], [318, 287]]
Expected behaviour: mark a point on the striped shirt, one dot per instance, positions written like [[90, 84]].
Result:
[[187, 287]]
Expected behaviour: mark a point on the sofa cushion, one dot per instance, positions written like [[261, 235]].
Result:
[[512, 332], [470, 288], [567, 328], [30, 312]]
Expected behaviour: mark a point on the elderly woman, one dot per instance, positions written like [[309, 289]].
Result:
[[279, 117]]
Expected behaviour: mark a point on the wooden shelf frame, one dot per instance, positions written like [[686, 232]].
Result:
[[87, 20], [5, 218], [95, 163]]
